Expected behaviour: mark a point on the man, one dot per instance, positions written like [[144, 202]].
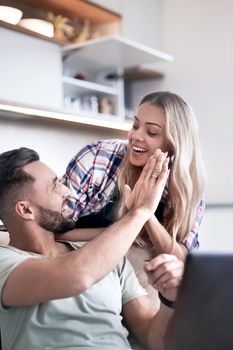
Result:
[[55, 295]]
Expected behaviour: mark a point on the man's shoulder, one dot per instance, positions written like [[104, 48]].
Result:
[[9, 250]]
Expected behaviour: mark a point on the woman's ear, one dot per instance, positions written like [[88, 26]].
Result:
[[24, 210]]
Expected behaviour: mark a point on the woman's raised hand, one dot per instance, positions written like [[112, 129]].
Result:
[[149, 187]]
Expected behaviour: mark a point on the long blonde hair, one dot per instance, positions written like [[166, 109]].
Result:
[[186, 180]]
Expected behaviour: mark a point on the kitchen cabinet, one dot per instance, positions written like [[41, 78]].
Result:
[[88, 65], [74, 84]]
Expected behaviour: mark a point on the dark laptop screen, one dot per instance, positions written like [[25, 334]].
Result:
[[203, 319]]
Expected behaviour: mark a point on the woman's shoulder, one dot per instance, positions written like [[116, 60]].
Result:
[[103, 148], [110, 145]]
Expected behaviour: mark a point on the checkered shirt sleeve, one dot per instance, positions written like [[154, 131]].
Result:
[[191, 240], [92, 174]]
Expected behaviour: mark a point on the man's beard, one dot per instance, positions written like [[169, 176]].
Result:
[[53, 221]]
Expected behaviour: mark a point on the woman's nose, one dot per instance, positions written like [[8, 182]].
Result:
[[138, 135]]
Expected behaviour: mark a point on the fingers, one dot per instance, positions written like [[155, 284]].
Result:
[[164, 272], [148, 189], [159, 260], [160, 158], [170, 278], [148, 168], [154, 166], [163, 176]]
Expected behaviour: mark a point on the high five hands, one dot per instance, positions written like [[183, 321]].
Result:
[[148, 189]]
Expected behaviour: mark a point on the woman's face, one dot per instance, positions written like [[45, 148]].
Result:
[[147, 134]]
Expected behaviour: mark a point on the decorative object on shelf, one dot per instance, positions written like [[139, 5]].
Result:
[[90, 103], [38, 25], [10, 15], [82, 31], [62, 29], [85, 32], [80, 76], [106, 105]]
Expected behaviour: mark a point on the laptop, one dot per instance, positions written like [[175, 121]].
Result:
[[203, 319]]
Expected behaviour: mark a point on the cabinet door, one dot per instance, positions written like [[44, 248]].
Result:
[[30, 70]]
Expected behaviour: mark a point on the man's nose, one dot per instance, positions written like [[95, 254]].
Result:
[[66, 191], [63, 190]]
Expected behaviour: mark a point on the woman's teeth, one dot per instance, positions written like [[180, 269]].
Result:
[[139, 149]]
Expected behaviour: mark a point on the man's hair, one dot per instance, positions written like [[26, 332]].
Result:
[[13, 178]]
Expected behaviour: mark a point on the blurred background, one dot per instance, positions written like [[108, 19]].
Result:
[[77, 74]]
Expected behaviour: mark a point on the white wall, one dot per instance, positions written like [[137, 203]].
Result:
[[113, 5], [216, 232], [55, 142], [141, 20]]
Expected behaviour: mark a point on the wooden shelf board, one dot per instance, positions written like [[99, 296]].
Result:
[[136, 74], [140, 74], [22, 30], [80, 9]]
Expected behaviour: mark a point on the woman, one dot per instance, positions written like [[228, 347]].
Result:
[[164, 124]]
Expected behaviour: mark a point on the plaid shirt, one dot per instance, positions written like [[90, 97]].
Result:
[[92, 176]]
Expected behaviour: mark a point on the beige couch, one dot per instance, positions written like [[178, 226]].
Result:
[[4, 237]]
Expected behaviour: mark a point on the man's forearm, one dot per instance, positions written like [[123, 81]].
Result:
[[103, 253], [159, 327]]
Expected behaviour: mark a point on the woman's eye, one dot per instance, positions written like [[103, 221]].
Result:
[[134, 127], [151, 133]]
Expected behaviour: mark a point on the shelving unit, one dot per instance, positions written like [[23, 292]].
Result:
[[96, 59]]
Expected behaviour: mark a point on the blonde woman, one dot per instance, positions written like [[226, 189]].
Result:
[[164, 126]]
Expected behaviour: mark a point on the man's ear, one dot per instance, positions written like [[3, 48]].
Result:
[[24, 209]]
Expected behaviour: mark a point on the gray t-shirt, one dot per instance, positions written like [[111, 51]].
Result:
[[91, 320]]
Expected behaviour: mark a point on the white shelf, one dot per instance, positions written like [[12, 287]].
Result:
[[100, 120], [110, 53], [95, 58], [75, 86]]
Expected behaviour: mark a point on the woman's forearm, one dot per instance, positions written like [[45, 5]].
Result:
[[162, 240]]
